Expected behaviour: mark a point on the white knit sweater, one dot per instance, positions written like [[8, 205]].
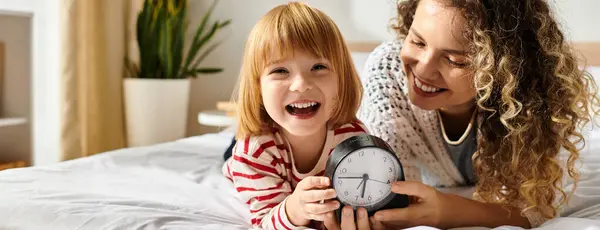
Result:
[[413, 133]]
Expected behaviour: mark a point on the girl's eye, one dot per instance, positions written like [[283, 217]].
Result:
[[456, 64], [279, 71], [319, 67]]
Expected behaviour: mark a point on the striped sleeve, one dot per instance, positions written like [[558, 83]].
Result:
[[353, 128], [258, 171], [348, 130]]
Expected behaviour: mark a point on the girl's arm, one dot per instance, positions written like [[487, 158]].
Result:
[[256, 169]]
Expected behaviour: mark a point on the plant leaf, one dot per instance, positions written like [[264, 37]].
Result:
[[179, 40], [193, 51], [206, 70], [209, 70], [225, 23], [213, 31], [165, 43], [199, 30], [161, 31], [131, 69], [144, 27], [205, 54]]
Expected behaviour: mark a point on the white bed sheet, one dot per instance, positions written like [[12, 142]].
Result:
[[178, 185], [170, 186]]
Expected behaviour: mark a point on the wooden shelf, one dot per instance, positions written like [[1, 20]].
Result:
[[215, 118], [12, 121], [11, 165], [227, 106]]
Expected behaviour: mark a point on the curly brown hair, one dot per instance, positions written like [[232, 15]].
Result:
[[532, 99]]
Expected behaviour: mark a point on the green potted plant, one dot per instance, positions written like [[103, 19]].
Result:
[[156, 89]]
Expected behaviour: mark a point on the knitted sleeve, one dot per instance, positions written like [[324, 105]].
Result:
[[385, 109]]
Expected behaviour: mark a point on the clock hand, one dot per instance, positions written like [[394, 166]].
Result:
[[362, 195], [360, 184], [350, 177], [378, 181], [365, 179]]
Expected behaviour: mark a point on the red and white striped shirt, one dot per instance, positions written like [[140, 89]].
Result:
[[264, 174]]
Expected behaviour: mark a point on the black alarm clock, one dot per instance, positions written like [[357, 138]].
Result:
[[361, 170]]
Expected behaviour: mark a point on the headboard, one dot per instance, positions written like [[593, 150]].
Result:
[[588, 50]]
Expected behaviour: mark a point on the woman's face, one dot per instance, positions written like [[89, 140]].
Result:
[[435, 59]]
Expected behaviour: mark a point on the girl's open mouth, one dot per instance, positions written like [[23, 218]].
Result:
[[303, 110]]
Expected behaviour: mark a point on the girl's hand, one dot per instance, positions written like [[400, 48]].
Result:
[[427, 207], [305, 203], [348, 222]]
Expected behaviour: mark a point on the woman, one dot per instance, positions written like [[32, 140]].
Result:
[[477, 92]]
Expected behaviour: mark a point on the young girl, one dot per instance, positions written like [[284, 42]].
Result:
[[298, 97]]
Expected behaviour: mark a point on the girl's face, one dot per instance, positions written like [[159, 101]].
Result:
[[299, 93], [435, 59]]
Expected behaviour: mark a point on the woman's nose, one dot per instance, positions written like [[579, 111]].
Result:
[[427, 66], [300, 83]]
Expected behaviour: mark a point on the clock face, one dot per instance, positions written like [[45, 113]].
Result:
[[363, 178]]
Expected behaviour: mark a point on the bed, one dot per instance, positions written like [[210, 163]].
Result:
[[178, 185], [175, 185]]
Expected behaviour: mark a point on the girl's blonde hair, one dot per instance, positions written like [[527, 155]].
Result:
[[532, 96], [284, 29]]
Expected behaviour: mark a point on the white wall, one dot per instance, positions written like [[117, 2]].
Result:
[[579, 19], [15, 33]]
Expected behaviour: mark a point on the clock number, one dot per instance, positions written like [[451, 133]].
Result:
[[356, 197], [385, 159], [349, 160], [361, 153], [345, 193], [344, 170], [390, 169], [369, 198], [388, 181], [381, 192]]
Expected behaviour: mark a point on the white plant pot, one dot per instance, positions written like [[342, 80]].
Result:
[[155, 110]]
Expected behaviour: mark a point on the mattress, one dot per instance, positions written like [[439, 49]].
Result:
[[178, 185], [175, 185]]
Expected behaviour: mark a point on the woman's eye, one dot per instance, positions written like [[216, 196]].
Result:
[[419, 44], [457, 64], [279, 71]]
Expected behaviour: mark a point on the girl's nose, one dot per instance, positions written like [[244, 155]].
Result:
[[300, 83]]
